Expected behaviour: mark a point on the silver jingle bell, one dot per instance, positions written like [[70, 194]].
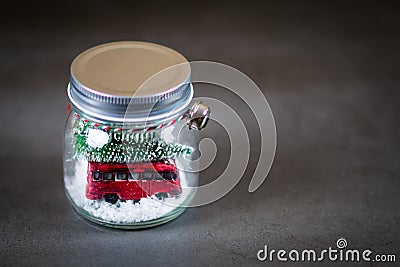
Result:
[[198, 116]]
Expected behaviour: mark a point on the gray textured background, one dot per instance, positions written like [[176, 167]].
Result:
[[330, 72]]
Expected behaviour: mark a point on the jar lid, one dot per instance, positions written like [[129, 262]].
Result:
[[107, 78]]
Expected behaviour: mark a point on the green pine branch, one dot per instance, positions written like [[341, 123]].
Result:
[[127, 147]]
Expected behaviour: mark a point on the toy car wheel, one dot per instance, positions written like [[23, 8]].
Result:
[[161, 196], [111, 198]]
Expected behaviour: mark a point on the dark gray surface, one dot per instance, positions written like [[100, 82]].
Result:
[[330, 73]]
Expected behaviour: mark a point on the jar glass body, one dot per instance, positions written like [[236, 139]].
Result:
[[129, 176]]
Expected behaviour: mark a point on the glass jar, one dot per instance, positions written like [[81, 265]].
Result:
[[130, 143]]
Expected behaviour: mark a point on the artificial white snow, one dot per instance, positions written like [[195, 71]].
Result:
[[121, 212], [97, 138]]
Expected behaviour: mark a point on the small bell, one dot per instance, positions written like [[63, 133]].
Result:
[[198, 116]]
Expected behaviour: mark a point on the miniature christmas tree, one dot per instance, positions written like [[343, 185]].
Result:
[[107, 145]]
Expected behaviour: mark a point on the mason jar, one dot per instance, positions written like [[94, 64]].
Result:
[[131, 135]]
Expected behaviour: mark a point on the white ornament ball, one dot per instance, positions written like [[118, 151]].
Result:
[[97, 138]]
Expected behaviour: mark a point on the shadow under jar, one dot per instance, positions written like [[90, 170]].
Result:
[[131, 135]]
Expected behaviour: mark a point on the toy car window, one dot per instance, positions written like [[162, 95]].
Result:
[[121, 176], [107, 176], [159, 176], [134, 176], [96, 176], [147, 176]]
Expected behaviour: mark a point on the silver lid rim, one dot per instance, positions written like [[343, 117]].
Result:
[[148, 119]]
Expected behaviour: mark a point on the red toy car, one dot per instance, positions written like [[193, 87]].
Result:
[[133, 181]]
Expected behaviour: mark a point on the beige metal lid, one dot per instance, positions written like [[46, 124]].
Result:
[[110, 74], [119, 68]]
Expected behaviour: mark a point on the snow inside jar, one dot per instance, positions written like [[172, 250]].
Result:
[[131, 135]]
